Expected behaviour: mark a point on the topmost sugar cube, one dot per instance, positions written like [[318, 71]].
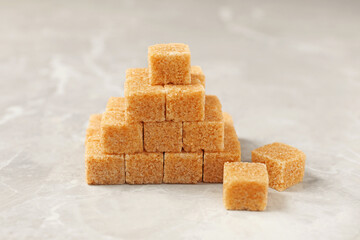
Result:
[[169, 64]]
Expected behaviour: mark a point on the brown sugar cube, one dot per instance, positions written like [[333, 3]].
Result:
[[209, 134], [245, 186], [144, 168], [285, 164], [93, 130], [116, 104], [169, 64], [183, 167], [102, 168], [119, 136], [214, 161], [185, 102], [144, 103], [197, 75], [163, 137]]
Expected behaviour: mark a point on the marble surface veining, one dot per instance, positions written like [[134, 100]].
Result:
[[286, 70]]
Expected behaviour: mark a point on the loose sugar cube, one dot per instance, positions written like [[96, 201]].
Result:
[[93, 130], [169, 64], [209, 134], [285, 164], [144, 103], [163, 137], [116, 104], [183, 167], [214, 161], [245, 186], [102, 168], [119, 136], [144, 168], [185, 102], [197, 75]]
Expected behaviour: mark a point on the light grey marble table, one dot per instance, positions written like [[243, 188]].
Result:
[[287, 71]]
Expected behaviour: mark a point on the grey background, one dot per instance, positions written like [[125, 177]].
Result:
[[286, 70]]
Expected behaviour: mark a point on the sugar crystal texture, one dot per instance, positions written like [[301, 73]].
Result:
[[169, 64], [144, 168], [197, 75], [185, 102], [214, 161], [285, 164], [115, 104], [144, 102], [119, 136], [209, 134], [103, 168], [245, 186], [93, 130], [183, 167], [163, 137]]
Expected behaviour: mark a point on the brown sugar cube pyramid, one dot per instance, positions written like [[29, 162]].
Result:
[[93, 130], [119, 136], [163, 137], [285, 164], [209, 134], [185, 102], [144, 103], [115, 104], [102, 168], [165, 129], [169, 64], [214, 161], [144, 168], [245, 186], [183, 167], [197, 75]]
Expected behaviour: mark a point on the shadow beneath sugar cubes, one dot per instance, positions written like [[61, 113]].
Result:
[[276, 201], [310, 182]]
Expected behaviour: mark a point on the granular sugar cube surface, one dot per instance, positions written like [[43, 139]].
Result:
[[163, 137], [144, 168], [185, 102], [169, 64], [285, 164], [115, 104], [102, 168], [209, 134], [93, 129], [183, 167], [214, 161], [245, 186], [144, 102], [197, 75], [119, 136]]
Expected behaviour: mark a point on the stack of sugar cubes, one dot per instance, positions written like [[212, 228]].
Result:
[[165, 129]]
